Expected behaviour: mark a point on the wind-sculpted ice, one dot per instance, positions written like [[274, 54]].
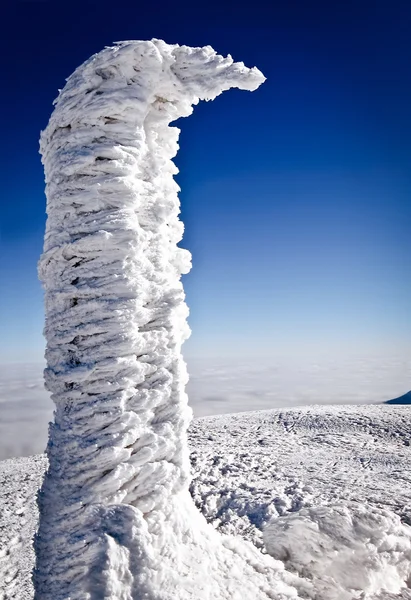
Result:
[[116, 518]]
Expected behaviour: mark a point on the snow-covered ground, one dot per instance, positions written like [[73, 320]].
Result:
[[333, 482]]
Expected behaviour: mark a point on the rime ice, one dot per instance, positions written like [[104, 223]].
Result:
[[116, 519]]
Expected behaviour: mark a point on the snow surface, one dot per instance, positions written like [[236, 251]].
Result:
[[345, 549], [325, 489]]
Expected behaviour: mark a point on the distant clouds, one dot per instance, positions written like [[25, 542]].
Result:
[[227, 386], [216, 386], [25, 410]]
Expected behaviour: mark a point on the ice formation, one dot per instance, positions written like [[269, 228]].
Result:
[[116, 518]]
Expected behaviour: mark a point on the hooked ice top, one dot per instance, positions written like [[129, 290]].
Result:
[[167, 77]]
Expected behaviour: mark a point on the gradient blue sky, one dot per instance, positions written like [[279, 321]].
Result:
[[296, 198]]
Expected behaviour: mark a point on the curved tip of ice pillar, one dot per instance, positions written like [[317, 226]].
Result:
[[170, 78], [116, 320]]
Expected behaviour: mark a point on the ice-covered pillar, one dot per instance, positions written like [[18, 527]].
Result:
[[115, 311]]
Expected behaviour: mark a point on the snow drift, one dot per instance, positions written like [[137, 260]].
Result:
[[116, 518], [347, 550]]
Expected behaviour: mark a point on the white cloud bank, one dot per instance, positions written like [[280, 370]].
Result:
[[219, 386], [25, 409]]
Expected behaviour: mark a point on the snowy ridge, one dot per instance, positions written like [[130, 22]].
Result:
[[116, 519]]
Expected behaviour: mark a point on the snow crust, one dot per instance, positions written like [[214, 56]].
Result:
[[324, 489], [116, 518], [347, 550]]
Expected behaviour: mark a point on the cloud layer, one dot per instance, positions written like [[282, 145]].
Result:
[[229, 386]]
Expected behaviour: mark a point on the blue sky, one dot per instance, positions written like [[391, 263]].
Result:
[[296, 198]]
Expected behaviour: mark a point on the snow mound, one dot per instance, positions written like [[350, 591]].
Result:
[[348, 550]]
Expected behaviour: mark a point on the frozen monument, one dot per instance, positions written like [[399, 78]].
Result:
[[116, 518]]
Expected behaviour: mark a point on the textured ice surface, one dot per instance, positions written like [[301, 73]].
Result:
[[116, 518]]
